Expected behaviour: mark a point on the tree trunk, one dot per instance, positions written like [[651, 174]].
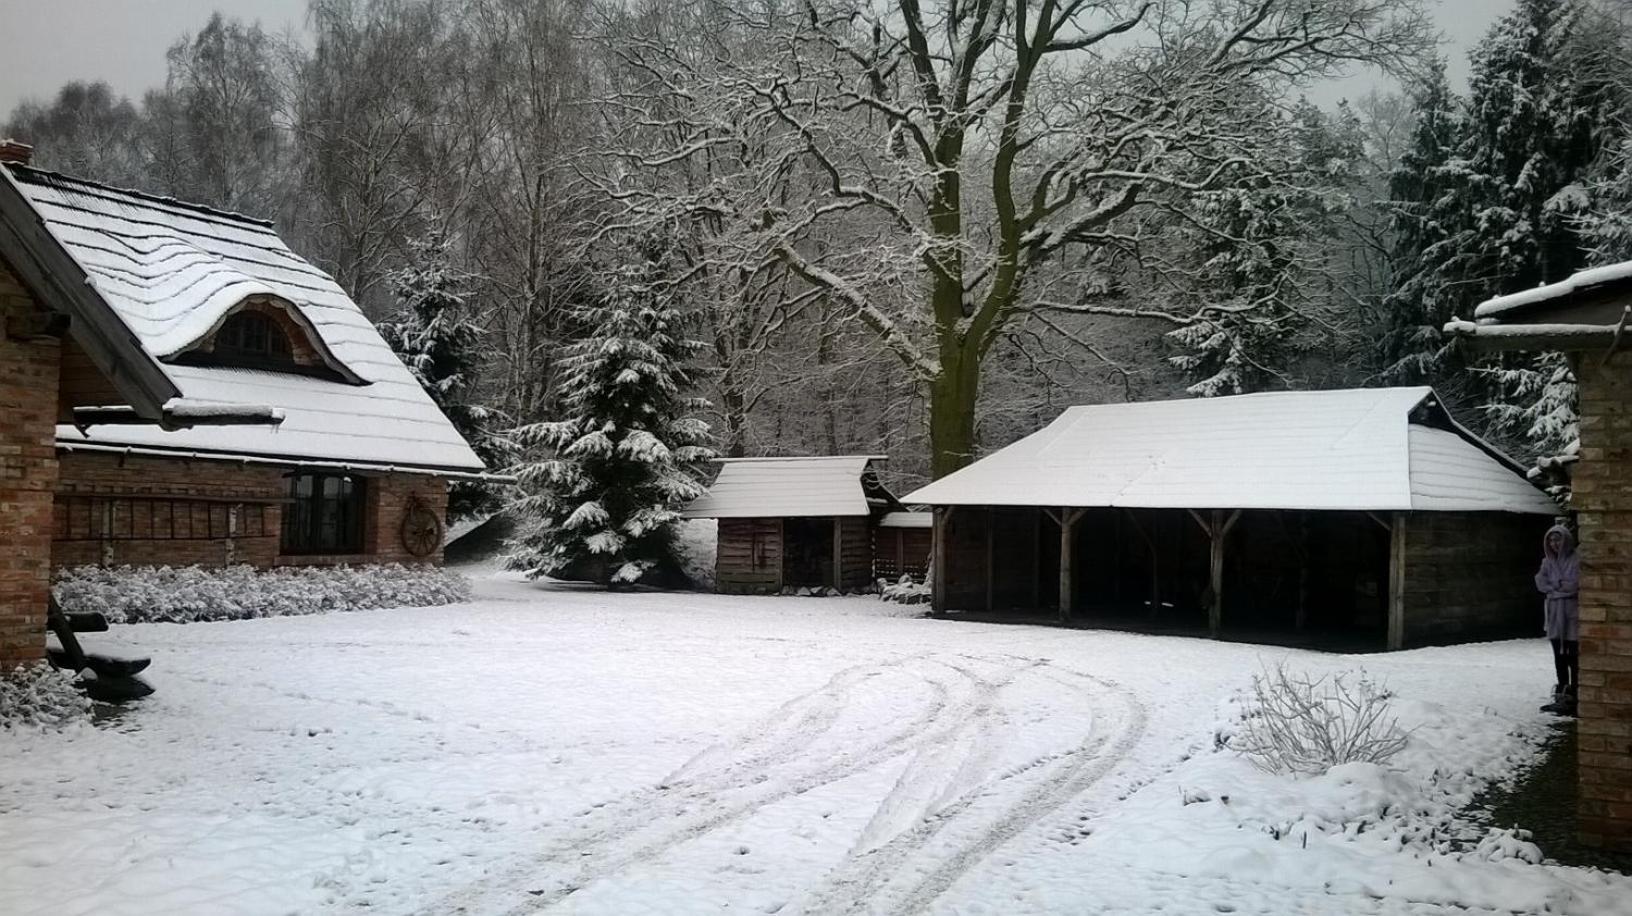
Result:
[[952, 397]]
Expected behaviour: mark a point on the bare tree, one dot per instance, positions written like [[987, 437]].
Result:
[[939, 170]]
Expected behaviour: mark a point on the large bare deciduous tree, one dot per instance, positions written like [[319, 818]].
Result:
[[939, 170]]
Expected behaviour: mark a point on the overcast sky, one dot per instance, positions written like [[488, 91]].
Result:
[[45, 43]]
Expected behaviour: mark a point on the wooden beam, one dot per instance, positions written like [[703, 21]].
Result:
[[1396, 582], [1036, 564], [1068, 521], [1302, 619], [781, 554], [991, 575], [1219, 531], [838, 554], [937, 561]]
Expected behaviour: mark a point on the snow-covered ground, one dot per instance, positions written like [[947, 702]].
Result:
[[550, 749]]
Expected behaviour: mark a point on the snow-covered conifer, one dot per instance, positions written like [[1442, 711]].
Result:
[[602, 487], [438, 339]]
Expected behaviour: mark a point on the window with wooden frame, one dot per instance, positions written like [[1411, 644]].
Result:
[[323, 514], [256, 339]]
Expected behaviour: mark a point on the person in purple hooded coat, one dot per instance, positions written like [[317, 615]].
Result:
[[1559, 579]]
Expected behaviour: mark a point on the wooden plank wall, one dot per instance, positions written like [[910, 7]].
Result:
[[80, 383], [749, 557], [855, 552], [1469, 575], [901, 550]]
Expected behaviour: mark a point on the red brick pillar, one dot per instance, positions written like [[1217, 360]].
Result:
[[28, 471], [1603, 498]]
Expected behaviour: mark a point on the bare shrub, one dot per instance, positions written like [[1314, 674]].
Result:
[[1303, 724]]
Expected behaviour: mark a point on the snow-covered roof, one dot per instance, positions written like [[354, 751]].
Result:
[[791, 488], [907, 520], [1576, 283], [1354, 449], [173, 271]]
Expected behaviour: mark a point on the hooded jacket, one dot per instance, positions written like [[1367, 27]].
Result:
[[1560, 580]]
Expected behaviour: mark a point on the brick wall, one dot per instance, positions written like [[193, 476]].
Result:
[[140, 510], [1603, 499], [28, 472]]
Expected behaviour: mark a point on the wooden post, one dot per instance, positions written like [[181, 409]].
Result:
[[991, 576], [781, 554], [1302, 619], [1218, 530], [1037, 563], [1068, 520], [838, 554], [1149, 538], [1396, 582], [937, 561]]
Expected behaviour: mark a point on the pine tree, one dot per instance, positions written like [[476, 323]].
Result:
[[1258, 247], [603, 487], [437, 339], [1426, 209], [1501, 211]]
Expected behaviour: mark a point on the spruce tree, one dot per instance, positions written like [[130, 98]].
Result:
[[1427, 208], [437, 339], [602, 488], [1500, 211], [1256, 249]]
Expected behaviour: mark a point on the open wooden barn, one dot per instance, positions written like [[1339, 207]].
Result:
[[793, 523], [1367, 518]]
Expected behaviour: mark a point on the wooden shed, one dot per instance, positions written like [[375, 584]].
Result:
[[788, 523], [1368, 516], [901, 545]]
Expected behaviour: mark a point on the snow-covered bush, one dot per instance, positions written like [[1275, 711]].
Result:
[[40, 696], [1302, 724], [183, 594], [905, 591]]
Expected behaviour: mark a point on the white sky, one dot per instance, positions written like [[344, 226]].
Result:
[[44, 44]]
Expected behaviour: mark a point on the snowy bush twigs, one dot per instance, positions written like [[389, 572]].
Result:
[[184, 594], [603, 487], [1307, 725], [40, 696]]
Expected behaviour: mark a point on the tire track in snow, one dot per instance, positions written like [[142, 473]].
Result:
[[862, 883], [701, 797]]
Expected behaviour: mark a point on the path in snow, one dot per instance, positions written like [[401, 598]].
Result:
[[546, 749], [971, 780]]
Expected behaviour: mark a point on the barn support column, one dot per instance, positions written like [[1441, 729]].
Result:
[[937, 561], [1217, 525], [1149, 537], [1067, 520], [991, 574], [838, 554], [1396, 581]]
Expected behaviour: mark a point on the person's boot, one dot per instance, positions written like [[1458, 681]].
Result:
[[1563, 703], [1557, 698]]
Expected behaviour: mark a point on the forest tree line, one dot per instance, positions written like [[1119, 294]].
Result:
[[917, 228]]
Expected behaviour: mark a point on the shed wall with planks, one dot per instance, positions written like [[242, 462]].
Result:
[[1470, 575], [901, 551], [748, 559], [855, 552]]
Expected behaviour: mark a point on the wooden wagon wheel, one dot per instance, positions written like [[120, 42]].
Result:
[[421, 529]]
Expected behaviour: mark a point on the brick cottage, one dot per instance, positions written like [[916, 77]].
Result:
[[1587, 316], [177, 386]]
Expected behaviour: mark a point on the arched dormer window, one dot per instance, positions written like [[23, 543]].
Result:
[[262, 334], [253, 339]]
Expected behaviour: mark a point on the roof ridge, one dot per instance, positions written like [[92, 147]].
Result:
[[31, 175]]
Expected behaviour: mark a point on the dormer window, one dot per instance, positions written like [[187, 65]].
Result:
[[253, 339], [265, 336]]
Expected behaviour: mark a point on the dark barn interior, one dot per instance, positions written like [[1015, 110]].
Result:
[[1323, 578]]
